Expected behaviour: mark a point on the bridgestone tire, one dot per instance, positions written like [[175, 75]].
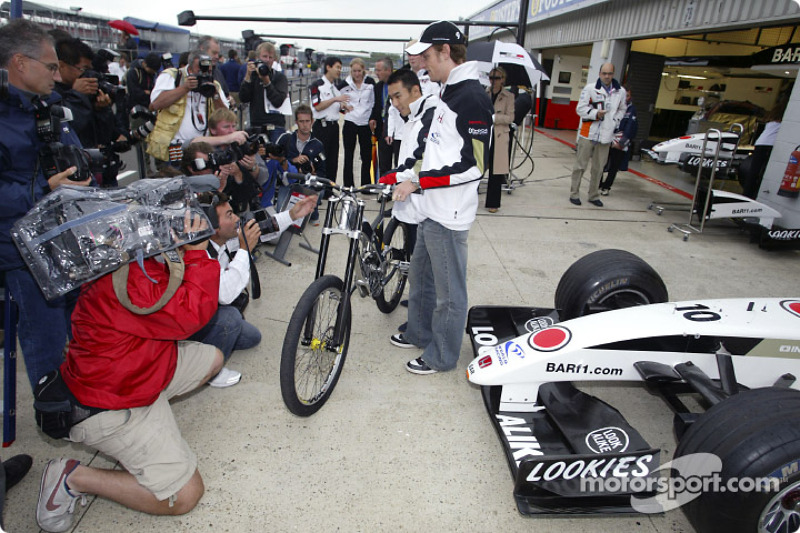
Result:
[[309, 368], [606, 280], [755, 434], [396, 235]]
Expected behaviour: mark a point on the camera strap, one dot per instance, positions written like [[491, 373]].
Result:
[[120, 282]]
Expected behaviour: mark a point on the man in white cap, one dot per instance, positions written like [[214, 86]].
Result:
[[455, 157]]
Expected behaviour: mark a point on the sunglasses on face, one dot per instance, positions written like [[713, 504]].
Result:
[[495, 77]]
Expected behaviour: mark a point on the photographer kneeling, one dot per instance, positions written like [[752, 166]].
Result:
[[231, 244], [127, 366]]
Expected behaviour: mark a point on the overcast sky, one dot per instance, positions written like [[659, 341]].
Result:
[[167, 12]]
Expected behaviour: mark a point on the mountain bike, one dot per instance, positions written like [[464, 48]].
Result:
[[318, 336]]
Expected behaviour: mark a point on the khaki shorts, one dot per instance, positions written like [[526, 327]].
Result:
[[146, 440]]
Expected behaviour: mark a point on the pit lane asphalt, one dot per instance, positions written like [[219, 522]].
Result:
[[392, 451]]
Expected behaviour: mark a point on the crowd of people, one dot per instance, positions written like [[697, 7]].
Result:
[[436, 129]]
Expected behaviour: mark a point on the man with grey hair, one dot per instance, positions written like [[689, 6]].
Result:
[[210, 47], [266, 89], [184, 99], [28, 54], [601, 107]]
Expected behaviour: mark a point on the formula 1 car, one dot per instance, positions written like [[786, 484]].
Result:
[[572, 453]]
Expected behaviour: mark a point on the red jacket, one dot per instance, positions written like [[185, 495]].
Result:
[[120, 360]]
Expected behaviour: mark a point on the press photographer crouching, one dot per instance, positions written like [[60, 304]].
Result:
[[27, 53], [90, 96], [232, 243], [122, 368], [184, 99]]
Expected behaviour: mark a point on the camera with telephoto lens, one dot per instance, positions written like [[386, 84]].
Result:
[[140, 133], [205, 79], [264, 69]]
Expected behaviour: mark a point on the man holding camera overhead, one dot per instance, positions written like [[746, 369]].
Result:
[[184, 99], [266, 89], [28, 54]]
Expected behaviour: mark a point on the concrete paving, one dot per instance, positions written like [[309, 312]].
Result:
[[392, 451]]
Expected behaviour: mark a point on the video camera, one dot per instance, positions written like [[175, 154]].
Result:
[[55, 157], [205, 79]]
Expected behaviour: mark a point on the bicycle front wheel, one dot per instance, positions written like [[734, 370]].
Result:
[[395, 266], [312, 359]]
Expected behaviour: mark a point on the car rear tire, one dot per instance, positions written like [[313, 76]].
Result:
[[756, 435], [606, 280]]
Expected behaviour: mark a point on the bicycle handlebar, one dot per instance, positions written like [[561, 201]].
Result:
[[311, 180]]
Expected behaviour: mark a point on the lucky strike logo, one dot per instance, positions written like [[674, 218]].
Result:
[[550, 339]]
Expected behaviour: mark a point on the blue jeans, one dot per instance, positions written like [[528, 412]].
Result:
[[228, 331], [43, 326], [437, 304]]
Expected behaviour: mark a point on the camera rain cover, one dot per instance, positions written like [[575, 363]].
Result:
[[77, 234]]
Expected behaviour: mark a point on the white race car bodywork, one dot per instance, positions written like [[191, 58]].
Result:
[[762, 333], [693, 144]]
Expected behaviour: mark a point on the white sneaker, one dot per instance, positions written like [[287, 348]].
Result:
[[225, 378], [56, 505]]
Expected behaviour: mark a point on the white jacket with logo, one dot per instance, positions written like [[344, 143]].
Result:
[[594, 97], [412, 148], [457, 150]]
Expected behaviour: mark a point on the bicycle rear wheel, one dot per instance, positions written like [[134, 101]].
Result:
[[394, 275], [311, 362]]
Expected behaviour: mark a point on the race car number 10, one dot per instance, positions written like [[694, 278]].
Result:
[[698, 313]]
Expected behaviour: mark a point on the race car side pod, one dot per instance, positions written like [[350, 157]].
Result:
[[668, 382]]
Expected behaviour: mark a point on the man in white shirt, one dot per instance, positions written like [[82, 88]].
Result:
[[231, 246], [183, 106], [326, 104]]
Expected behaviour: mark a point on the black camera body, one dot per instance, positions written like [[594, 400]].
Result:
[[205, 79], [264, 69], [108, 83], [266, 222]]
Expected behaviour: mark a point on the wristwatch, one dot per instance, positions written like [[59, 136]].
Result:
[[415, 180]]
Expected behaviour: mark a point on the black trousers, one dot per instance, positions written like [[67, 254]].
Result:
[[615, 158], [385, 153], [328, 134], [494, 189], [350, 134]]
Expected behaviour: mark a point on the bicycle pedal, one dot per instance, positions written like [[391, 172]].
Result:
[[404, 267]]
